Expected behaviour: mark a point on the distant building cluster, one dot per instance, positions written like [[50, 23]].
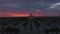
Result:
[[22, 26]]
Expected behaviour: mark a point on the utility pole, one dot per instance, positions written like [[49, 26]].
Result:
[[30, 20], [28, 24], [30, 15], [31, 24], [31, 27]]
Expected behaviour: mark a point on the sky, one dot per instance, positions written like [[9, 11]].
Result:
[[18, 8]]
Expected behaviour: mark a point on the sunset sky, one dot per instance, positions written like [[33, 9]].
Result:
[[18, 8]]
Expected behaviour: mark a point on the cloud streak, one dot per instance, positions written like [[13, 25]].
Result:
[[10, 5], [55, 5]]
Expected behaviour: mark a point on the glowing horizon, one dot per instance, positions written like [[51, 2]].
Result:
[[12, 14], [18, 8]]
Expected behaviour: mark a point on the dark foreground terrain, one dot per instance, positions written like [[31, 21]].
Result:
[[26, 25]]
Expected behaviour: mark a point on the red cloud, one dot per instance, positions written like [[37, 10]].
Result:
[[10, 14]]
